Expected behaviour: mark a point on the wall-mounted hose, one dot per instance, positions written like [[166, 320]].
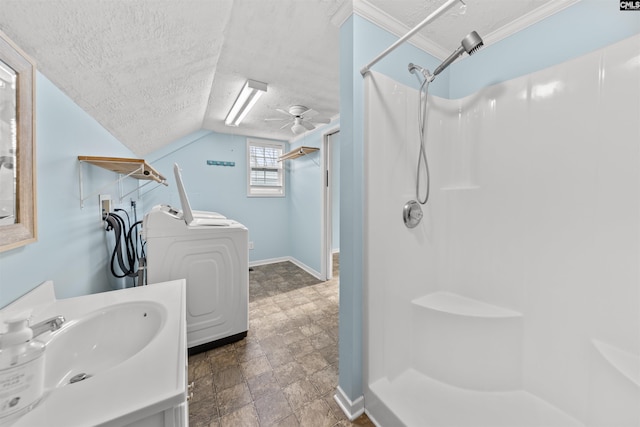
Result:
[[126, 236]]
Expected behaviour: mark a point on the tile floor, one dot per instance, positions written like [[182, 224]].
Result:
[[285, 372]]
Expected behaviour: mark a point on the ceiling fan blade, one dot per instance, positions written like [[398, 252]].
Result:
[[274, 119], [307, 125], [283, 111], [309, 113], [286, 125]]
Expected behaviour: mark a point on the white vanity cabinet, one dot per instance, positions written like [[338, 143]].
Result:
[[178, 416]]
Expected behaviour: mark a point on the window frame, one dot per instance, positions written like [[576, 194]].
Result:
[[263, 190]]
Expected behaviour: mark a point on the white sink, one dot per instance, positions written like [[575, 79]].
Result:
[[125, 348], [100, 340]]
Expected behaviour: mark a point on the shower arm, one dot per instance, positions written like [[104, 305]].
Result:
[[364, 70]]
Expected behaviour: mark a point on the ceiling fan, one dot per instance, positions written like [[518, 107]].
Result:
[[299, 118]]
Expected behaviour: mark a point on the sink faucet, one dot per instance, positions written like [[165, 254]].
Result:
[[52, 324]]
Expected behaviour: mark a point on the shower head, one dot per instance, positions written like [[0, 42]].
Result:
[[413, 68], [470, 44]]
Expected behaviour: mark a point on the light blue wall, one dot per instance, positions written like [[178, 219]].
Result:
[[306, 199], [305, 208], [582, 28], [71, 247], [223, 189], [574, 31]]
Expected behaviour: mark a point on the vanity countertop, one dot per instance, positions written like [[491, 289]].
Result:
[[147, 383]]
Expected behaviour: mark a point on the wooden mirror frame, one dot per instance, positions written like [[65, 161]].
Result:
[[24, 230]]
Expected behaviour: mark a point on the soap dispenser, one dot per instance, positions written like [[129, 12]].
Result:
[[21, 368]]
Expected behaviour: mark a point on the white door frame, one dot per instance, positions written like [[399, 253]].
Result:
[[327, 206]]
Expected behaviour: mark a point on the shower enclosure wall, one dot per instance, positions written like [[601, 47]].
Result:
[[516, 301]]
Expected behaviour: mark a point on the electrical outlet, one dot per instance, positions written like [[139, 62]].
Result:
[[250, 245], [104, 205]]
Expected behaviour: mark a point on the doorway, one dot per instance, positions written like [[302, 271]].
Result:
[[331, 201]]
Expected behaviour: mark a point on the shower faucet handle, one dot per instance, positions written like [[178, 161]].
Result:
[[412, 214]]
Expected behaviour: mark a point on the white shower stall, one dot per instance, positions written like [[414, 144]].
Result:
[[516, 301]]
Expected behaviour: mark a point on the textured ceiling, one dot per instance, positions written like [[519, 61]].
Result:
[[152, 71]]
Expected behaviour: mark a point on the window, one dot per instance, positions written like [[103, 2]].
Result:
[[266, 173]]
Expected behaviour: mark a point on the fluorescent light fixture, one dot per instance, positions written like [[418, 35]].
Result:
[[251, 91]]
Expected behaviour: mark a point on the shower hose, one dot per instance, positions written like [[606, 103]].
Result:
[[422, 155]]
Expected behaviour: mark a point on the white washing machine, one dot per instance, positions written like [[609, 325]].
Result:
[[212, 254]]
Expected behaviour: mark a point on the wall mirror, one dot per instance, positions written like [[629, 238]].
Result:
[[17, 147]]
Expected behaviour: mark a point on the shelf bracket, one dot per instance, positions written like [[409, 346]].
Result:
[[125, 167]]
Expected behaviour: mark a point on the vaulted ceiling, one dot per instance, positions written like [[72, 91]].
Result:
[[152, 71]]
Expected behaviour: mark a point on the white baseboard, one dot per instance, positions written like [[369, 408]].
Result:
[[269, 261], [351, 409], [303, 266], [306, 268]]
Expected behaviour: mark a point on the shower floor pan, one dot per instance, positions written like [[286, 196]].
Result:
[[418, 400]]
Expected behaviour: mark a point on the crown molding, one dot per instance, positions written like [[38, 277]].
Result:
[[382, 19], [343, 13], [531, 18]]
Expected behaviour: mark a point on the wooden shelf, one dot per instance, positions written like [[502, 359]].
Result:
[[298, 152], [125, 167], [134, 168]]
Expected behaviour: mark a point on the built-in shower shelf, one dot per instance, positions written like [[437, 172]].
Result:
[[467, 343], [460, 187], [624, 362], [451, 303], [298, 152]]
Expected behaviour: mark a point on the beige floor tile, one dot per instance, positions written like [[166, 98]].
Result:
[[289, 373], [312, 363], [330, 354], [310, 329], [325, 380], [199, 368], [245, 416], [293, 335], [272, 343], [221, 360], [250, 350], [202, 413], [290, 421], [284, 373], [203, 389], [272, 407], [262, 385], [300, 348], [279, 357], [227, 378], [321, 340], [233, 398], [316, 414], [300, 393], [333, 405], [255, 367]]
